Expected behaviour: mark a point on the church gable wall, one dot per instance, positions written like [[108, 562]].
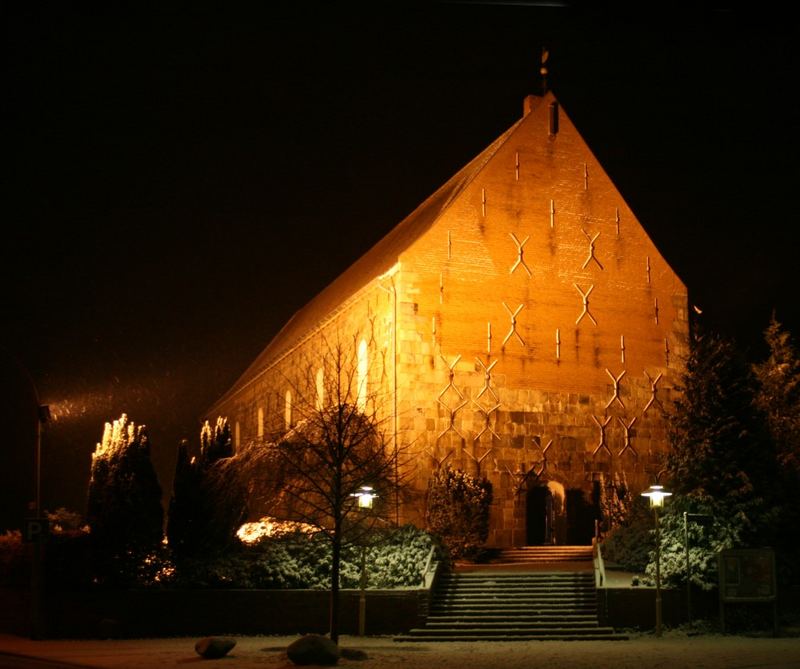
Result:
[[501, 368]]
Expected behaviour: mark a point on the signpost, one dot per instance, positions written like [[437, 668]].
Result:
[[36, 530]]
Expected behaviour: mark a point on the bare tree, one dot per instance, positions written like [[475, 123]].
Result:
[[334, 449]]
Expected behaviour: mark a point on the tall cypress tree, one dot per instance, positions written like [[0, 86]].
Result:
[[208, 503], [185, 517], [124, 510]]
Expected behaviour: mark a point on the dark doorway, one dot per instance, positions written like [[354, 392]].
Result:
[[539, 516], [582, 510]]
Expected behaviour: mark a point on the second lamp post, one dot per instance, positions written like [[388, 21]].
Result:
[[656, 495]]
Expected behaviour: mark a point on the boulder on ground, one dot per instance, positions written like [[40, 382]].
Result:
[[213, 647], [313, 649], [353, 654]]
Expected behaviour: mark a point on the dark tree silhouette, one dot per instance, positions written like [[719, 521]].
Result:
[[335, 448], [124, 503], [208, 503]]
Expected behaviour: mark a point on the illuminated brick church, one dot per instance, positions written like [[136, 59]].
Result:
[[520, 323]]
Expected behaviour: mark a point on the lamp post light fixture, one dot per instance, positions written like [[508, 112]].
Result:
[[366, 495], [656, 494]]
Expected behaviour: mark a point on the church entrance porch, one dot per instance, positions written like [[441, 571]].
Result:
[[558, 516]]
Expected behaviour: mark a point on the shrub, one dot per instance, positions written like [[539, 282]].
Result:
[[457, 511], [630, 543], [301, 561], [723, 531], [14, 567]]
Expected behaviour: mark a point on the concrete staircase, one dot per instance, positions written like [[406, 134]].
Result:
[[511, 604], [536, 555]]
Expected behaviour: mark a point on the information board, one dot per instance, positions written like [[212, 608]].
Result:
[[747, 575]]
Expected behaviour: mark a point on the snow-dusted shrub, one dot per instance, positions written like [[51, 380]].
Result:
[[630, 542], [457, 510], [398, 561], [302, 561], [705, 541]]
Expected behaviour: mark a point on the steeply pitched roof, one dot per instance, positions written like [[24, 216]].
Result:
[[377, 261]]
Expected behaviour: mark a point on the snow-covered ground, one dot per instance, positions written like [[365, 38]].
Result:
[[672, 651]]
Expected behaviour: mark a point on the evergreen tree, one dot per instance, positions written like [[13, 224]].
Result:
[[458, 506], [124, 510], [185, 503], [779, 399], [721, 461], [716, 433], [779, 395], [224, 496], [208, 504]]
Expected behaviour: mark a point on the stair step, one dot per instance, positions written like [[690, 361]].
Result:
[[610, 636], [517, 598], [513, 619], [553, 620], [508, 633], [507, 630], [525, 579], [510, 608], [505, 624], [531, 575], [489, 586], [497, 605]]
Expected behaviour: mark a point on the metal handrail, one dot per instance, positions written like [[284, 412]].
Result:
[[597, 556], [600, 569], [429, 570]]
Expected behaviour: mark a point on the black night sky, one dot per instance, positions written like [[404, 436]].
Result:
[[180, 181]]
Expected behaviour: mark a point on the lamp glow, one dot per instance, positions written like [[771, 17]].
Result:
[[365, 496], [656, 494]]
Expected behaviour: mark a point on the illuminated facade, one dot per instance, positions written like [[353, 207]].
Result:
[[520, 323]]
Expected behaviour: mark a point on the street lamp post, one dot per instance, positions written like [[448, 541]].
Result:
[[365, 495], [656, 494], [37, 531], [36, 526]]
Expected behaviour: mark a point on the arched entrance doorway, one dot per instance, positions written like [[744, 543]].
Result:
[[583, 508], [539, 515]]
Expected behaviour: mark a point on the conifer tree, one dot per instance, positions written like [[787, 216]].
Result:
[[184, 519], [208, 504], [719, 446], [779, 399], [779, 395], [124, 510], [721, 461]]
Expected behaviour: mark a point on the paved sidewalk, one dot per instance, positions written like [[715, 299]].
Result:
[[673, 651]]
